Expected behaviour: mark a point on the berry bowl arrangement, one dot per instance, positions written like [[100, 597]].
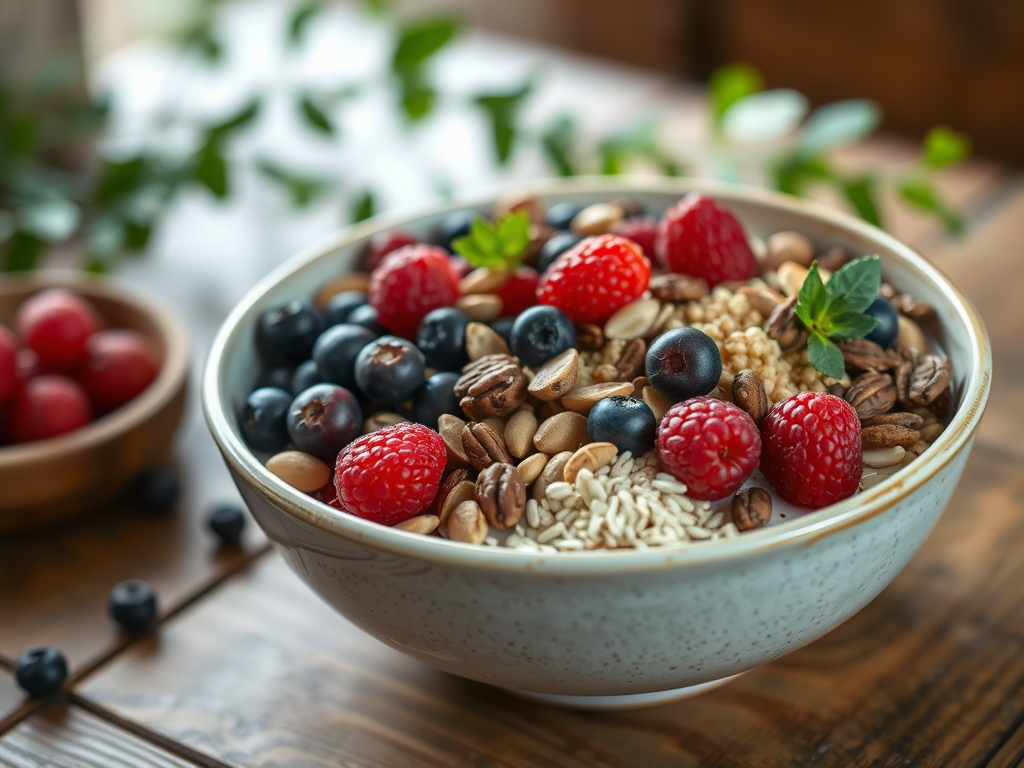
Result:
[[602, 443], [92, 387]]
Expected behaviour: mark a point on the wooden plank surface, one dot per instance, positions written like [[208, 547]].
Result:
[[932, 672], [10, 695]]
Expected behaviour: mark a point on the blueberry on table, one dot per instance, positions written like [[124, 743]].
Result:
[[336, 350], [306, 376], [626, 422], [540, 333], [389, 369], [227, 521], [340, 306], [263, 421], [560, 215], [279, 376], [156, 490], [503, 327], [884, 334], [555, 247], [366, 316], [323, 420], [132, 604], [441, 338], [455, 225], [285, 334], [683, 363], [41, 671], [434, 398]]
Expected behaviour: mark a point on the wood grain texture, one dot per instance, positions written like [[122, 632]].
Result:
[[63, 736], [10, 696], [931, 673]]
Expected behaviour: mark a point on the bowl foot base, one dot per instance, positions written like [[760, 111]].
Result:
[[623, 702]]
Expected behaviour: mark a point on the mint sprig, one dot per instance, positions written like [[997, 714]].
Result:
[[835, 311], [500, 245]]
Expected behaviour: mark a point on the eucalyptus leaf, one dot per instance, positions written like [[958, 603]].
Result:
[[52, 219], [557, 142], [299, 21], [765, 116], [502, 110], [922, 195], [105, 235], [944, 146], [860, 192], [301, 189], [729, 84], [417, 99], [314, 116], [365, 206], [419, 41], [211, 171], [118, 179], [839, 123], [246, 115]]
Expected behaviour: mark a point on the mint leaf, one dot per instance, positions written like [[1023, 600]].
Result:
[[810, 302], [500, 245], [851, 325], [825, 356], [857, 282], [944, 146]]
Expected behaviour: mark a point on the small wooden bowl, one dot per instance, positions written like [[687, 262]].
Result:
[[51, 481]]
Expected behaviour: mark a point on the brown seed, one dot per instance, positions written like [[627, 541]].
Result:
[[763, 300], [467, 523], [940, 405], [888, 435], [483, 446], [450, 428], [788, 246], [678, 288], [597, 219], [633, 320], [556, 377], [929, 380], [791, 277], [592, 457], [605, 373], [562, 432], [300, 470], [493, 385], [482, 340], [520, 201], [865, 355], [380, 420], [424, 524], [482, 307], [785, 327], [519, 432], [657, 402], [452, 479], [357, 281], [501, 495], [899, 419], [589, 337], [833, 259], [631, 361], [910, 335], [751, 509], [638, 386], [484, 280], [748, 393], [553, 472], [530, 468], [463, 491], [582, 399], [872, 394], [549, 409]]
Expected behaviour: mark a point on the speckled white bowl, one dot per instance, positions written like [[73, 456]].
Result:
[[610, 628]]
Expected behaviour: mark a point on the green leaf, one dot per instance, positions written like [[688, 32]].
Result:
[[22, 135], [376, 7], [764, 116], [860, 193], [137, 236], [857, 282], [301, 16], [923, 196], [51, 219], [302, 190], [204, 42], [825, 356], [240, 119], [557, 142], [417, 98], [418, 42], [792, 172], [119, 179], [839, 123], [314, 116], [729, 84], [812, 298], [365, 207], [851, 325], [211, 171], [502, 110], [499, 245], [22, 252], [944, 146]]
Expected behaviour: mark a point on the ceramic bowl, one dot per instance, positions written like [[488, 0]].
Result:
[[610, 628], [51, 481]]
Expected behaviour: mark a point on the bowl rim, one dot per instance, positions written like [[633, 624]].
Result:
[[804, 530], [160, 391]]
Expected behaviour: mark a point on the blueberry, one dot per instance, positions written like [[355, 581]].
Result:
[[323, 420], [41, 671], [306, 376], [336, 350], [285, 334], [442, 339], [560, 215], [263, 422], [540, 333], [280, 377], [227, 521], [156, 490], [341, 305], [555, 247], [625, 421], [132, 604], [884, 334], [434, 397], [455, 225], [503, 327], [683, 363], [389, 369], [366, 316]]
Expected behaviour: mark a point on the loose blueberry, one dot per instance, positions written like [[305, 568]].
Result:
[[555, 247], [626, 422], [540, 333], [884, 334], [560, 215], [336, 350], [340, 306], [280, 377], [442, 339], [683, 363], [306, 376], [156, 490], [390, 369], [366, 316], [285, 334], [455, 225], [263, 422], [227, 521], [41, 671], [132, 604], [323, 420], [503, 327], [434, 397]]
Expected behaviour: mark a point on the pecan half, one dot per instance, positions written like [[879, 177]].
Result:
[[906, 304], [748, 393], [501, 494], [589, 337], [751, 509], [919, 384], [865, 355], [872, 394], [494, 385], [888, 435], [940, 405], [898, 419], [484, 446], [785, 327], [631, 362], [674, 287]]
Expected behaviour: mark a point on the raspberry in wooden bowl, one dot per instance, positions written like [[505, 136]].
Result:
[[595, 607]]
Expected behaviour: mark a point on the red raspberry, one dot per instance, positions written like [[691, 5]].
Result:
[[710, 445], [120, 365], [519, 293], [408, 284], [642, 230], [48, 406], [698, 237], [392, 474], [8, 364], [460, 267], [594, 278], [55, 324], [812, 449], [384, 243]]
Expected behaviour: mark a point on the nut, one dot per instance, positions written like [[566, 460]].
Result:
[[920, 384], [638, 386], [495, 423], [484, 280], [666, 314], [785, 327], [556, 377], [791, 277], [899, 419], [751, 509], [463, 491], [605, 372], [865, 355], [884, 457], [483, 446], [910, 335], [450, 428], [300, 470], [493, 385], [589, 337], [483, 307], [833, 259], [633, 320], [656, 401], [380, 420], [582, 399], [549, 409], [888, 435], [520, 201], [678, 288], [468, 523], [940, 405], [597, 219], [932, 431], [563, 432], [872, 394], [788, 246], [519, 432], [451, 480], [530, 468], [501, 495], [764, 300], [748, 393], [631, 361], [554, 471], [357, 281], [424, 524], [592, 457]]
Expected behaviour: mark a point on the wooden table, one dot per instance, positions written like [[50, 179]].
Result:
[[248, 668]]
